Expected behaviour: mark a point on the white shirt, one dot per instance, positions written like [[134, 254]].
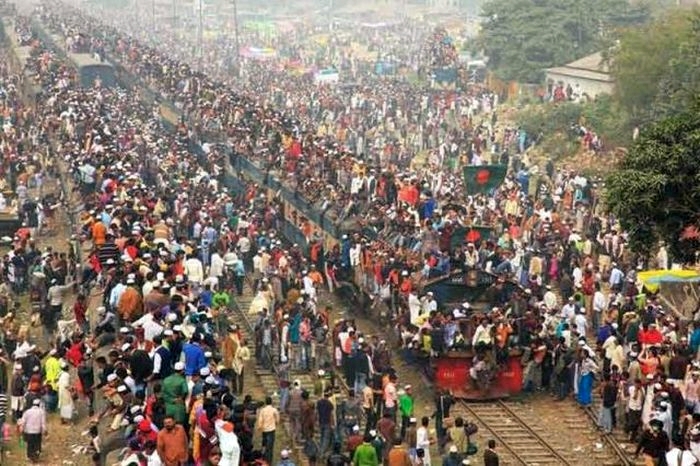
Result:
[[216, 269], [194, 270], [243, 243], [157, 361], [147, 288], [599, 301], [230, 447], [309, 286], [581, 323], [568, 311], [675, 454], [154, 459], [257, 263], [414, 307], [632, 403], [577, 276], [550, 299], [423, 440], [482, 335]]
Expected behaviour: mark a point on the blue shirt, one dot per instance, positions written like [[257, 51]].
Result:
[[206, 297], [695, 340], [616, 276], [194, 358]]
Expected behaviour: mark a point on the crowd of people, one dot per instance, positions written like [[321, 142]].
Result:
[[159, 366], [162, 367]]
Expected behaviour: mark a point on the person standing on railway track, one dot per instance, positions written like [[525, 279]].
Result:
[[653, 443], [390, 394], [365, 454], [267, 423], [443, 404], [33, 427], [490, 455], [398, 455], [585, 385], [406, 407], [424, 440], [608, 393], [369, 408]]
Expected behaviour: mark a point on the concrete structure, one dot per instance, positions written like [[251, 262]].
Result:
[[590, 74]]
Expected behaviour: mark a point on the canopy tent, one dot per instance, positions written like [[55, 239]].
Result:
[[651, 279], [678, 290]]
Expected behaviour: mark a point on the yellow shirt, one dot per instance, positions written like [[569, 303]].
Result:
[[52, 367], [268, 419]]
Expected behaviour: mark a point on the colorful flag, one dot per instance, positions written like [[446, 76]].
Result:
[[463, 235], [483, 178]]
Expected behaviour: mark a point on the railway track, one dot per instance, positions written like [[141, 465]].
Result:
[[625, 456], [268, 378], [523, 443]]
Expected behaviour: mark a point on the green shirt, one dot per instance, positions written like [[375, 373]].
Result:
[[406, 405], [365, 455], [174, 393], [220, 299]]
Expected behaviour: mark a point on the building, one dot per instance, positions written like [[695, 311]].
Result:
[[589, 75]]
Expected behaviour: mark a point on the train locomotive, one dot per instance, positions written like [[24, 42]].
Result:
[[468, 371]]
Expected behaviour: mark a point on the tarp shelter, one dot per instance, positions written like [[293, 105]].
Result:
[[678, 290], [258, 53], [327, 76]]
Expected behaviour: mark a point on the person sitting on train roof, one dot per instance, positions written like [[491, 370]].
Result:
[[462, 312], [482, 338]]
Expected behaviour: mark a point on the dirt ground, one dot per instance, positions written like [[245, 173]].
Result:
[[62, 440]]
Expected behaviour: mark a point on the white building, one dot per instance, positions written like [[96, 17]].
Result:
[[590, 74]]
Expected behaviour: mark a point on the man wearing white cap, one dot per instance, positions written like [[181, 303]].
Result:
[[284, 459], [33, 427], [175, 390], [65, 394], [55, 296]]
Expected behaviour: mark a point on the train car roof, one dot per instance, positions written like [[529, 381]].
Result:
[[86, 59]]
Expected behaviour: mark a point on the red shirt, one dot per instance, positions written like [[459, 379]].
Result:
[[79, 310]]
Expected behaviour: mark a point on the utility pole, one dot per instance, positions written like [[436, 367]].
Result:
[[153, 13], [236, 40], [330, 15], [200, 36]]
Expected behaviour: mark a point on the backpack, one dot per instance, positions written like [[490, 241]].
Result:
[[470, 429], [311, 449], [336, 459]]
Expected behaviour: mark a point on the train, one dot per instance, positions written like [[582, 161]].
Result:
[[452, 370]]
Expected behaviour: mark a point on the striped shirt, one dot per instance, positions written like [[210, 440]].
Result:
[[4, 401]]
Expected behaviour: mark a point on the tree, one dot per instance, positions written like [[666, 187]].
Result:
[[655, 191], [681, 83], [642, 61], [524, 37]]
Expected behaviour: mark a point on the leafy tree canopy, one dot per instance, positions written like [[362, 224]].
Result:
[[524, 37], [655, 192], [653, 66]]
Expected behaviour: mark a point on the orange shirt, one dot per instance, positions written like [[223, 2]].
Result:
[[502, 334], [172, 446], [316, 277], [130, 304], [99, 233]]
